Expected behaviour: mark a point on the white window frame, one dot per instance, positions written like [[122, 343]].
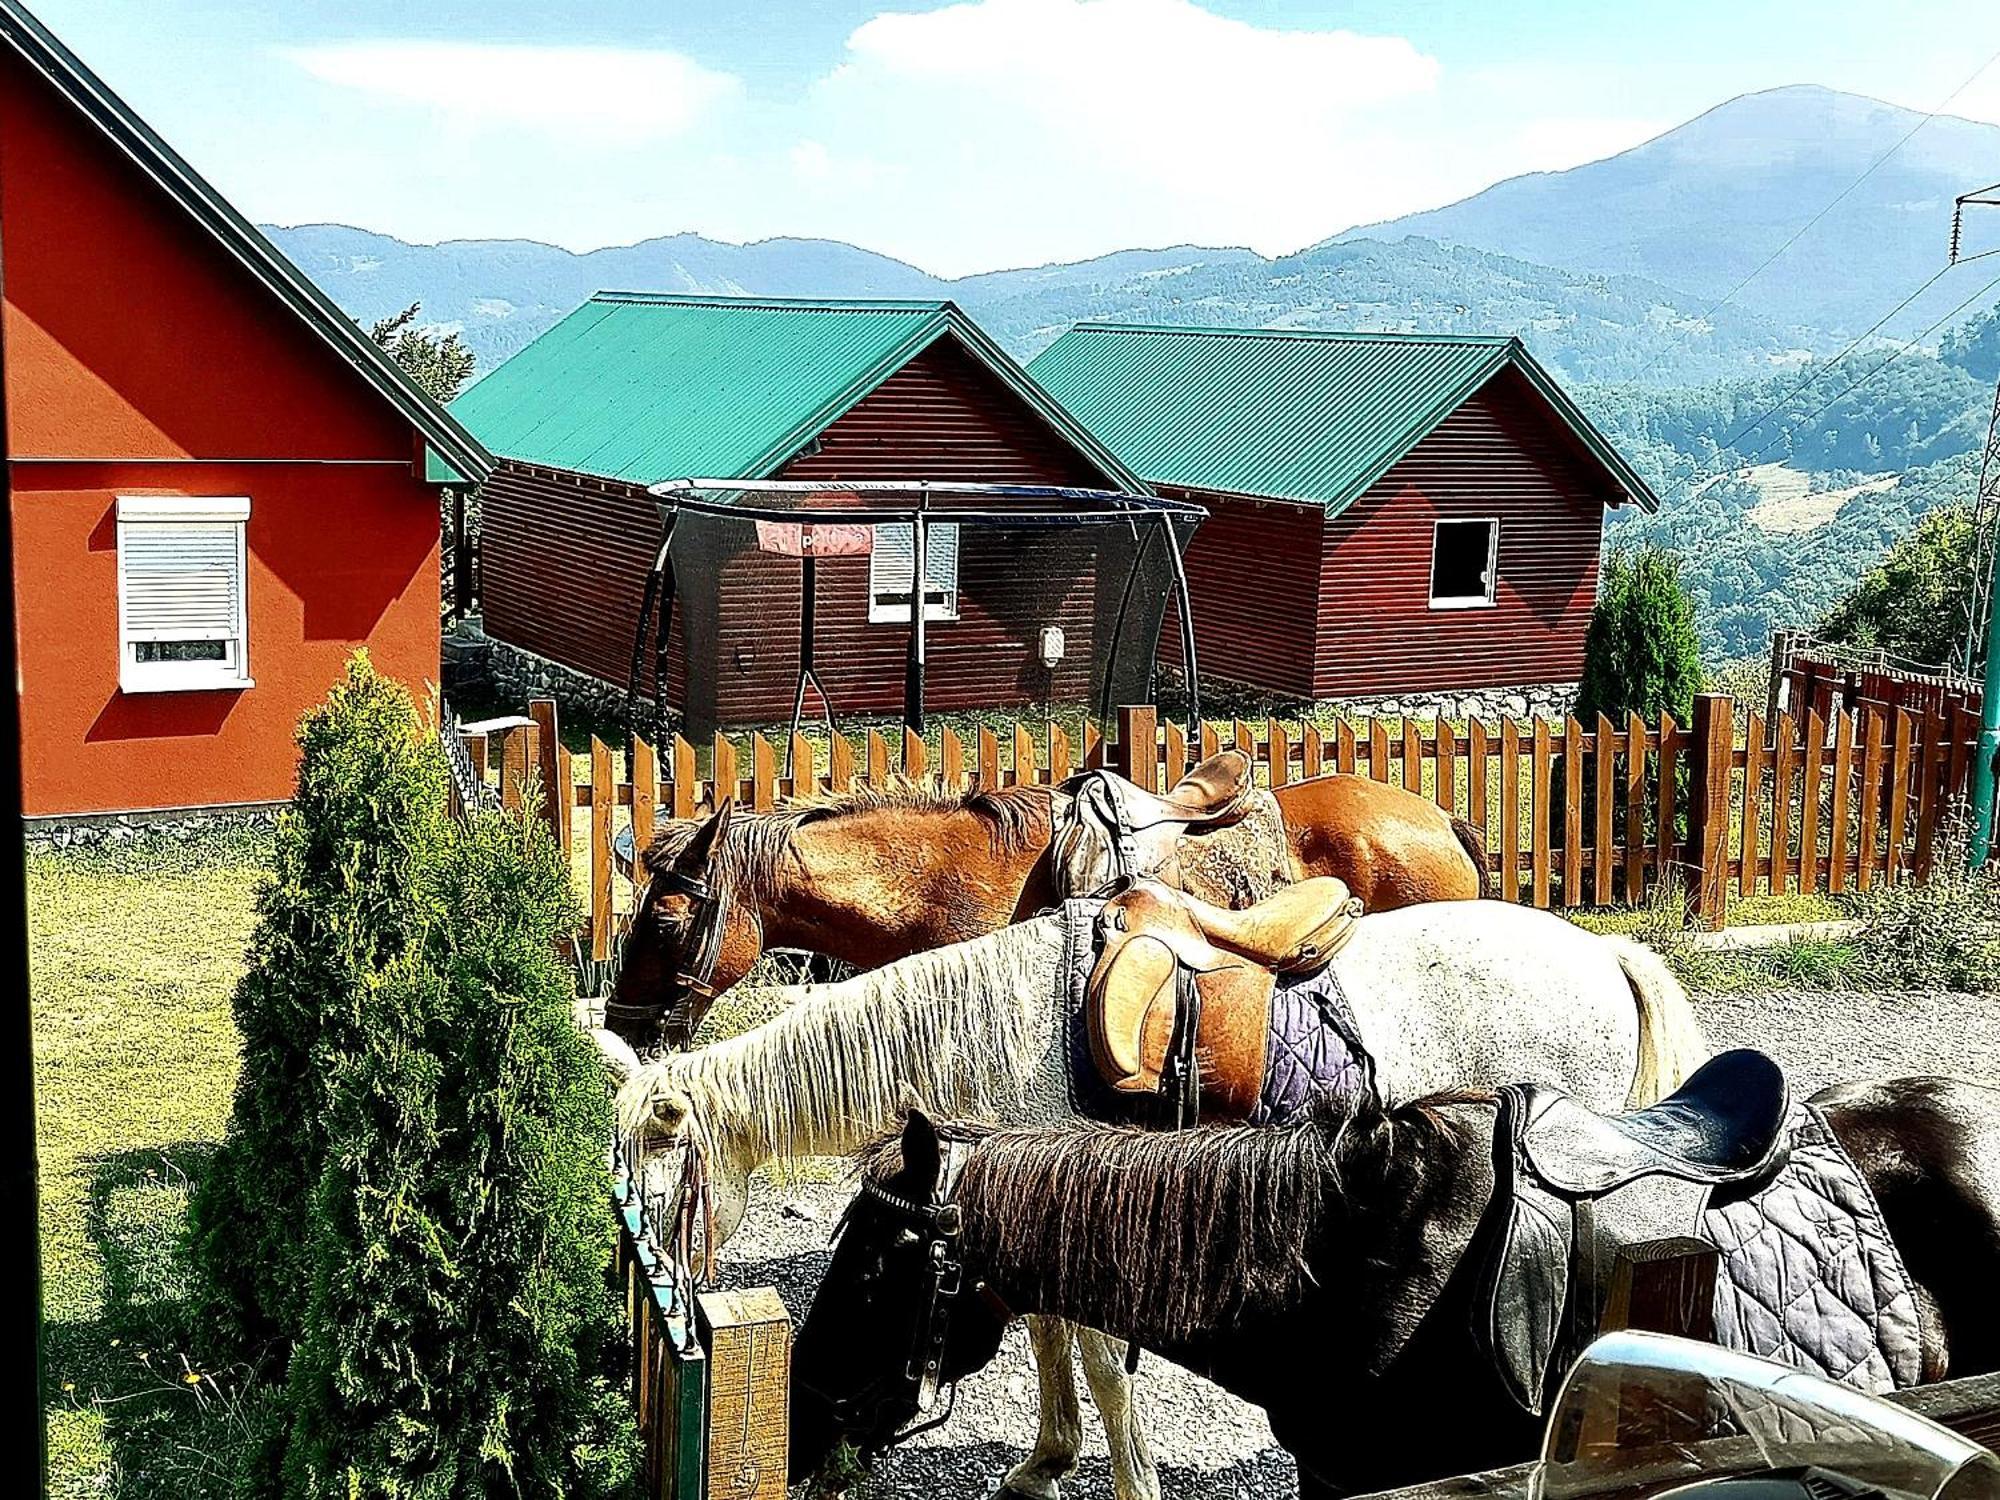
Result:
[[233, 671], [1467, 601], [897, 611]]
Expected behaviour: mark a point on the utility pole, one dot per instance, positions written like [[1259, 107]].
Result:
[[1986, 583]]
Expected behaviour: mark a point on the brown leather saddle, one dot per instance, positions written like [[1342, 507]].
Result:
[[1179, 999], [1116, 830]]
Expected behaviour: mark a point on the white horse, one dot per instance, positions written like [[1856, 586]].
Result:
[[1454, 994]]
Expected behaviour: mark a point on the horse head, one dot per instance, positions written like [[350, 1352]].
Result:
[[692, 936], [895, 1319]]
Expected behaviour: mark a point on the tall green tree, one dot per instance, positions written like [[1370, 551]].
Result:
[[439, 363], [1642, 653], [346, 899], [1915, 603]]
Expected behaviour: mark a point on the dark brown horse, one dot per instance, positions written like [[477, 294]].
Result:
[[879, 873], [1320, 1271]]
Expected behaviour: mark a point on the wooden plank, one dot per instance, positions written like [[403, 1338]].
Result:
[[748, 1339], [1635, 809], [1446, 790], [1899, 794], [1476, 752], [1812, 868], [951, 759], [475, 752], [1753, 804], [1312, 751], [1378, 750], [1094, 749], [1024, 755], [763, 774], [1344, 757], [1663, 1286], [1667, 848], [1871, 793], [1413, 757], [1784, 775], [1176, 753], [1245, 740], [548, 766], [1059, 756], [687, 785], [1510, 810], [1136, 756], [514, 768], [839, 762], [878, 758], [1572, 859], [1715, 743], [645, 794], [915, 758], [603, 802], [1211, 742], [1964, 738], [1931, 730], [1839, 803], [989, 761], [1541, 788], [562, 806], [723, 781], [1605, 761], [1278, 745], [804, 778]]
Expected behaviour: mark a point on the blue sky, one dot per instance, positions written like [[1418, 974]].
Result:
[[967, 136]]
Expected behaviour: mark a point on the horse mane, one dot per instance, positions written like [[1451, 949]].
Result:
[[957, 1028], [1167, 1234], [751, 858]]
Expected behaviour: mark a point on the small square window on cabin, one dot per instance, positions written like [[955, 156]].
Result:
[[183, 621], [1463, 563], [889, 572]]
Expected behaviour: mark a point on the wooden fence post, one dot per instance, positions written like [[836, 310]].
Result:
[[552, 765], [1708, 817], [1139, 746]]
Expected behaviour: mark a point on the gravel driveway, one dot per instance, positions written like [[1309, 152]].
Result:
[[1208, 1443]]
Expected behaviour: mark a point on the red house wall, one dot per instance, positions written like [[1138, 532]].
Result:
[[1501, 454], [141, 360], [1253, 574], [563, 566]]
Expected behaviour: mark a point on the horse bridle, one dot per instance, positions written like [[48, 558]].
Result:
[[692, 989], [940, 1225]]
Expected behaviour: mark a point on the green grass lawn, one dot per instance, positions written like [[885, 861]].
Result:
[[134, 958]]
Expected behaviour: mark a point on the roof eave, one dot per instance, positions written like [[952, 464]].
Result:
[[46, 54]]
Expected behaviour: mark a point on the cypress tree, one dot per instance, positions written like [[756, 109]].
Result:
[[342, 903], [1642, 653]]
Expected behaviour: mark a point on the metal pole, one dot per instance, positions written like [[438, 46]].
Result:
[[1187, 629], [808, 589], [913, 673], [1989, 707]]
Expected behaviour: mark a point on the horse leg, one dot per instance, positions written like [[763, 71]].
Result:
[[1134, 1476], [1061, 1436]]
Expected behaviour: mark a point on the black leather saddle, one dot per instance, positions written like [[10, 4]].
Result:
[[1572, 1186]]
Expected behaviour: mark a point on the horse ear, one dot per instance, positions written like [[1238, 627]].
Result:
[[701, 848], [921, 1152]]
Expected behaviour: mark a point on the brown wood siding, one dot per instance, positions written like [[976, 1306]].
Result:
[[1253, 574], [564, 567], [1501, 454]]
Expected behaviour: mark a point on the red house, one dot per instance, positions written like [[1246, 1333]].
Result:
[[635, 388], [218, 482], [1388, 513]]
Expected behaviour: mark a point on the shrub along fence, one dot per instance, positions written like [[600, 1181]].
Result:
[[1570, 815]]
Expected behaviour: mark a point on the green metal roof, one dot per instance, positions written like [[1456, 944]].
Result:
[[449, 443], [1288, 414], [647, 386]]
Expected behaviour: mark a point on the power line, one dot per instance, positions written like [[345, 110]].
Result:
[[1833, 203]]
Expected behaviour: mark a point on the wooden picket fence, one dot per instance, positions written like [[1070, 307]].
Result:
[[1570, 814]]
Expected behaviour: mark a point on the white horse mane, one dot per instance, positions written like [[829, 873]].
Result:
[[957, 1027]]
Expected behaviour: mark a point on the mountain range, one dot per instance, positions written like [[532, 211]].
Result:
[[1611, 271]]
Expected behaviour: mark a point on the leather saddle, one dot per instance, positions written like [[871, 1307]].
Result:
[[1571, 1187], [1117, 830], [1179, 999]]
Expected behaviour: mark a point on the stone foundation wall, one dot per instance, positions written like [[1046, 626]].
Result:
[[1540, 701], [477, 662], [144, 829]]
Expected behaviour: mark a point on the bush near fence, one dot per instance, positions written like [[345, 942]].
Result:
[[1570, 814]]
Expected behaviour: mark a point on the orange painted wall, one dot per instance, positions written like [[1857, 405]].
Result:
[[142, 360]]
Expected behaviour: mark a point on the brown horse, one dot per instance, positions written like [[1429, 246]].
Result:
[[878, 873]]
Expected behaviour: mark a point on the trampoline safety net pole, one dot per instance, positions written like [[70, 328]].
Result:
[[1186, 612], [913, 673]]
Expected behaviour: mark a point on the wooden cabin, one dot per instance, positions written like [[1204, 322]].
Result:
[[1388, 513], [635, 388]]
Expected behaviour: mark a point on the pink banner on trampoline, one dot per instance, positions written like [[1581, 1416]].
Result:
[[806, 539]]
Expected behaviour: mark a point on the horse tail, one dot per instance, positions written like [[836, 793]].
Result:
[[1473, 842], [1671, 1044]]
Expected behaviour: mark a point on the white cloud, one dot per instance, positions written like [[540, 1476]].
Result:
[[1066, 126], [625, 93]]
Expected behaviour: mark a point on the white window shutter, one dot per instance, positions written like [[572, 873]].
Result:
[[182, 580], [889, 571]]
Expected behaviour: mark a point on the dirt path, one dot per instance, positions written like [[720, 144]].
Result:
[[1211, 1445]]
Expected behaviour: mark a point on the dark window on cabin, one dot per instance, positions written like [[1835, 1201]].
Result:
[[1462, 562]]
